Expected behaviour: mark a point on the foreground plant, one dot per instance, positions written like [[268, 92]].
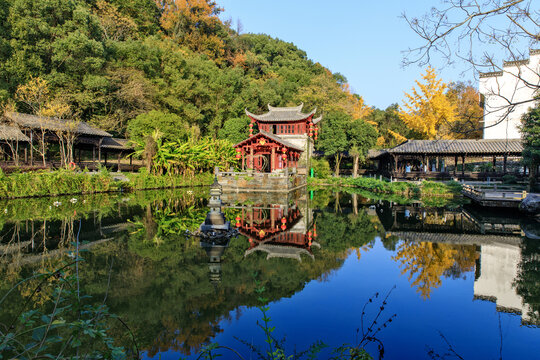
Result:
[[66, 327], [275, 349]]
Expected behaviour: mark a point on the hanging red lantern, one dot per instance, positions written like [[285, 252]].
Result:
[[283, 227], [251, 125], [238, 218], [238, 156], [309, 235], [237, 224], [284, 157], [283, 220], [284, 150]]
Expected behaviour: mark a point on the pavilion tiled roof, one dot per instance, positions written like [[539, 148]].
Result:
[[272, 137], [116, 144], [374, 153], [460, 146], [11, 133], [279, 114], [54, 124]]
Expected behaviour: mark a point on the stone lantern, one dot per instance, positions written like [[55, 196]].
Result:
[[214, 233]]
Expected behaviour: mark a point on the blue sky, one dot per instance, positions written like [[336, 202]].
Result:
[[360, 39]]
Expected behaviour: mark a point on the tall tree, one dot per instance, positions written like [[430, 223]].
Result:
[[427, 110], [196, 24], [465, 97], [392, 129], [481, 34], [531, 143], [362, 137], [333, 139]]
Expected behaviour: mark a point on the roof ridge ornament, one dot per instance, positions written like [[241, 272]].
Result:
[[286, 108]]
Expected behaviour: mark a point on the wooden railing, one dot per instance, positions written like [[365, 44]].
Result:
[[493, 193]]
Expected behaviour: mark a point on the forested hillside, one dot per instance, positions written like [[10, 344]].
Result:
[[113, 60]]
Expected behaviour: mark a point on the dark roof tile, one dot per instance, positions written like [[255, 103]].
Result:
[[279, 114], [54, 124], [461, 146]]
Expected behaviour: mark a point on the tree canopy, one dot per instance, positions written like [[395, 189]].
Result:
[[427, 110], [113, 60]]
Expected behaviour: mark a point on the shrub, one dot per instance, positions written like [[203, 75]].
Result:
[[509, 179], [321, 168]]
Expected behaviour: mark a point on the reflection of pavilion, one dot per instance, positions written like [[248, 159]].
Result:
[[282, 229], [469, 224], [498, 240]]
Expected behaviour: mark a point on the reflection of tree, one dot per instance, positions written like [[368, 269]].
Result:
[[528, 280], [427, 262], [163, 292]]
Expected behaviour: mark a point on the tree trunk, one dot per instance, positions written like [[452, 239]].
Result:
[[532, 177], [356, 159], [338, 162]]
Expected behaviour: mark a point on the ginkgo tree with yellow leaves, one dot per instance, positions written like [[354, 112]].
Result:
[[427, 110]]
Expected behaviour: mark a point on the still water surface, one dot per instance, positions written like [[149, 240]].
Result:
[[461, 279]]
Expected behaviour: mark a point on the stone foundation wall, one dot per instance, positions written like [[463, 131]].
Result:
[[260, 182]]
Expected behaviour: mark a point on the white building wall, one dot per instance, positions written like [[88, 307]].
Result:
[[498, 271], [509, 86]]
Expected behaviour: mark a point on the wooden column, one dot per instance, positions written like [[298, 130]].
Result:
[[463, 165], [31, 148], [455, 165], [99, 150], [504, 163], [494, 163], [94, 154], [105, 157], [252, 159], [273, 159], [119, 157]]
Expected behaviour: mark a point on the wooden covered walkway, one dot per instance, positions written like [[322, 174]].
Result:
[[466, 159]]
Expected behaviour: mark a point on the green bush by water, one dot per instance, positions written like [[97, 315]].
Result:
[[425, 188], [66, 182]]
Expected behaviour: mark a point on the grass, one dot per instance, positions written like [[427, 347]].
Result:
[[66, 182], [422, 189]]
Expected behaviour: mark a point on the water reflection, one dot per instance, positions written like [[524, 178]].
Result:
[[449, 243], [177, 293]]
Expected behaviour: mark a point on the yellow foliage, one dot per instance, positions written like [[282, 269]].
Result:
[[325, 93], [400, 138], [380, 141], [427, 110], [469, 113], [427, 262], [192, 22], [115, 25], [55, 108], [34, 93]]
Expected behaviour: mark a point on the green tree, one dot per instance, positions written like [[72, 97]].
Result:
[[171, 126], [333, 139], [389, 124], [362, 137], [530, 129], [235, 130]]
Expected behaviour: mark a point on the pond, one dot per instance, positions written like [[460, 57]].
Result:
[[460, 281]]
